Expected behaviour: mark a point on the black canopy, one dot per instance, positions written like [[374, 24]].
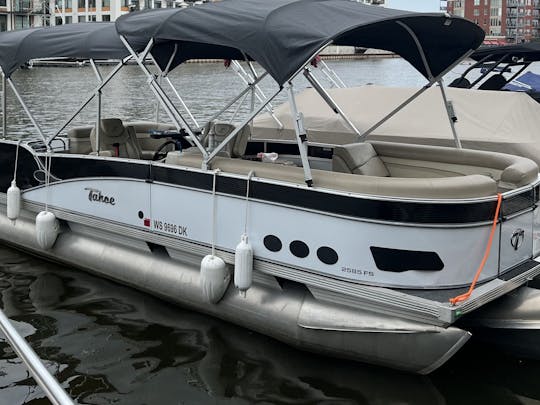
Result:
[[82, 40], [529, 52], [281, 35]]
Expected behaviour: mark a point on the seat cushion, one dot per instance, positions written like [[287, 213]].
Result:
[[358, 158]]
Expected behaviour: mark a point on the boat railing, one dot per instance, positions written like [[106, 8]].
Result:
[[46, 381]]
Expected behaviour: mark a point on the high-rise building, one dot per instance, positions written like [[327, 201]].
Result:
[[515, 20]]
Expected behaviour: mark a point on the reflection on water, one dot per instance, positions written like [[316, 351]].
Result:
[[111, 344]]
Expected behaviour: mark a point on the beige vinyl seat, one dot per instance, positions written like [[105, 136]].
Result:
[[236, 148], [358, 158], [115, 140]]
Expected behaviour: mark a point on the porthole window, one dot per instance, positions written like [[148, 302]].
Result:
[[327, 255], [299, 249], [272, 243]]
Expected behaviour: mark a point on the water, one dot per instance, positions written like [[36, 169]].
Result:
[[110, 344]]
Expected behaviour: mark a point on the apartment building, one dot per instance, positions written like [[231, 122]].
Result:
[[514, 20]]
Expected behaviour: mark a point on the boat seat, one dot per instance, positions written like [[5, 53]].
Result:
[[115, 140], [495, 82], [237, 146], [79, 140], [461, 83], [469, 186], [358, 158]]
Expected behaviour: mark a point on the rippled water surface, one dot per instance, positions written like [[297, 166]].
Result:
[[110, 344]]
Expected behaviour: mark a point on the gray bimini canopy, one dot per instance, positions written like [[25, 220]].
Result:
[[529, 52], [282, 35], [78, 41]]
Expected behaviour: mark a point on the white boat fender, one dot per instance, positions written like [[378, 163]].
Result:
[[214, 278], [13, 201], [47, 229], [14, 193], [243, 264]]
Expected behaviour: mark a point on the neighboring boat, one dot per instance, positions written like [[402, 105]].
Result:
[[373, 254], [493, 62]]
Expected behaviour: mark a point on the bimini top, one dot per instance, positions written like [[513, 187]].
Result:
[[529, 52], [81, 41], [282, 35]]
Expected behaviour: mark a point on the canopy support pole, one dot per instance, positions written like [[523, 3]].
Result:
[[4, 106], [247, 79], [160, 94], [525, 66], [98, 119], [328, 99], [331, 75], [90, 97], [239, 96], [419, 47], [28, 113], [159, 79], [239, 127], [413, 97], [301, 136], [451, 114], [163, 75]]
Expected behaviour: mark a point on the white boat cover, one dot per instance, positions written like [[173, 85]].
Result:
[[501, 121]]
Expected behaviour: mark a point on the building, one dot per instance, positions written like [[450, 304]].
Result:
[[19, 14], [513, 20]]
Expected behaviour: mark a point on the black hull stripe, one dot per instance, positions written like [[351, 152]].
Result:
[[393, 211]]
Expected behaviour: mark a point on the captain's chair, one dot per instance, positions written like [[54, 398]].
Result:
[[237, 146], [115, 140]]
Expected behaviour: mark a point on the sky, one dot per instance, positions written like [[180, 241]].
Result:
[[414, 5]]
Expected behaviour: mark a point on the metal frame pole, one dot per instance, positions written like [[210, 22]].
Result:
[[28, 113], [160, 94], [239, 128], [328, 99], [90, 97], [46, 381], [413, 97], [237, 67], [4, 106], [98, 123], [238, 97], [451, 114], [301, 136], [331, 75]]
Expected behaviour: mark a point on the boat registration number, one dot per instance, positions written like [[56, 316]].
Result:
[[171, 228]]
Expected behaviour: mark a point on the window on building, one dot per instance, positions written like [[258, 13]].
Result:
[[476, 2], [3, 22], [82, 18], [22, 21], [476, 12], [91, 18], [91, 3], [3, 4], [81, 4], [69, 19], [68, 3], [58, 20], [105, 17], [157, 4], [106, 3]]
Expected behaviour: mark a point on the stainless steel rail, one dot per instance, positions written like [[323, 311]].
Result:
[[47, 382]]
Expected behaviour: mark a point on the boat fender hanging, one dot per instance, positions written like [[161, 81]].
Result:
[[243, 264], [13, 201], [214, 278], [47, 229]]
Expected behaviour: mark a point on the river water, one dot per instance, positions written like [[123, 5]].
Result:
[[110, 344]]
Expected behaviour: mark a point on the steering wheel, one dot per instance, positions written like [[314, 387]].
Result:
[[160, 153]]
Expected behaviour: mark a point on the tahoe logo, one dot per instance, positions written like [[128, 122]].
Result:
[[95, 195]]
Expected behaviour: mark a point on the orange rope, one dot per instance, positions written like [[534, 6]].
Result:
[[463, 297]]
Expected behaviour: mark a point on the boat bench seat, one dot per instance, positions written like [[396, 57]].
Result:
[[409, 160], [469, 186]]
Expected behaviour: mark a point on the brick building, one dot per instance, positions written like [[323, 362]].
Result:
[[514, 20]]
